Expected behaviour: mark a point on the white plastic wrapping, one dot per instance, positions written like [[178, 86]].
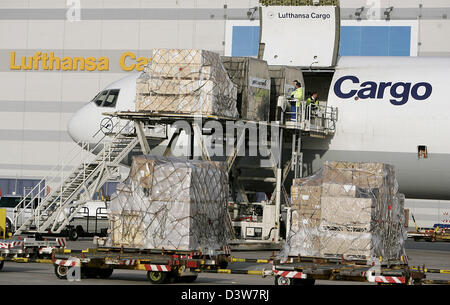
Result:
[[172, 204], [350, 210], [186, 81]]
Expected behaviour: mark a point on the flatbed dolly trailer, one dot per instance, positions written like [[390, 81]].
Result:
[[170, 266], [306, 270], [162, 266], [29, 250], [431, 235]]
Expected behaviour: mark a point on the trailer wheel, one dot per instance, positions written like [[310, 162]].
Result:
[[1, 265], [73, 235], [157, 277], [283, 281], [61, 272], [105, 273], [8, 227], [222, 262], [79, 230]]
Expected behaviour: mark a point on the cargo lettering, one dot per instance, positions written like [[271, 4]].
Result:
[[400, 92]]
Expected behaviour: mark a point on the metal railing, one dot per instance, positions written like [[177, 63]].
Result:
[[82, 154], [100, 214], [320, 119]]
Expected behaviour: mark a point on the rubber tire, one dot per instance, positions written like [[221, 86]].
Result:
[[105, 273], [8, 227], [80, 230], [188, 279], [283, 281], [223, 264], [1, 264], [61, 272], [157, 277], [73, 235]]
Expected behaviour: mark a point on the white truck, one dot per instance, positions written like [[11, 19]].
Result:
[[90, 220]]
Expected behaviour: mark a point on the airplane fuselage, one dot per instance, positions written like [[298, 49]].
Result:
[[389, 109]]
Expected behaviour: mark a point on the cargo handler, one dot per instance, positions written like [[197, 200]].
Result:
[[297, 94]]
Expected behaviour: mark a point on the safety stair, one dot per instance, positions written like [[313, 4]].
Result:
[[57, 208]]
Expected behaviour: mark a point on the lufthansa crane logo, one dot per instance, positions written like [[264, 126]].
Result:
[[106, 125]]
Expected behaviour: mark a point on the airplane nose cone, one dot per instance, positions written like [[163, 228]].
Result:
[[74, 127], [85, 123]]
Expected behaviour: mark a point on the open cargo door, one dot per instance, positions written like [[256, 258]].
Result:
[[305, 36]]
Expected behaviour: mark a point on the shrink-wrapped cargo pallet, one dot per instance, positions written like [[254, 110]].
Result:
[[172, 204], [350, 210], [186, 81], [252, 79]]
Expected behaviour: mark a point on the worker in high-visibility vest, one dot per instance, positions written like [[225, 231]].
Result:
[[313, 101], [297, 94]]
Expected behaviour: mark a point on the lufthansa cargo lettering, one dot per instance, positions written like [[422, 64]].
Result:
[[304, 16], [48, 61], [400, 91], [52, 62]]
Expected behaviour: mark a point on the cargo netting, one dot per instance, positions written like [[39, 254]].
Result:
[[186, 81], [171, 204], [347, 210]]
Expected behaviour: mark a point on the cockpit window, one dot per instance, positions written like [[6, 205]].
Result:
[[111, 99], [99, 99], [107, 98]]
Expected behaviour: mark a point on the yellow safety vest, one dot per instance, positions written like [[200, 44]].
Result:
[[298, 95], [308, 101]]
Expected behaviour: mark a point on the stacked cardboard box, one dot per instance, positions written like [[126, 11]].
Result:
[[186, 81], [172, 204], [306, 215], [355, 212]]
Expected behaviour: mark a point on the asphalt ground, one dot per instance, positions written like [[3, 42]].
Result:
[[432, 255]]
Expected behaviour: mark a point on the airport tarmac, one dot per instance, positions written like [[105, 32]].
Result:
[[432, 255]]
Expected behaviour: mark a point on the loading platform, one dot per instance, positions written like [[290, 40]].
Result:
[[277, 161]]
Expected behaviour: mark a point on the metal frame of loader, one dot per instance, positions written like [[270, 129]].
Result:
[[289, 133]]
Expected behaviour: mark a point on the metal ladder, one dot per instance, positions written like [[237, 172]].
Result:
[[57, 208]]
